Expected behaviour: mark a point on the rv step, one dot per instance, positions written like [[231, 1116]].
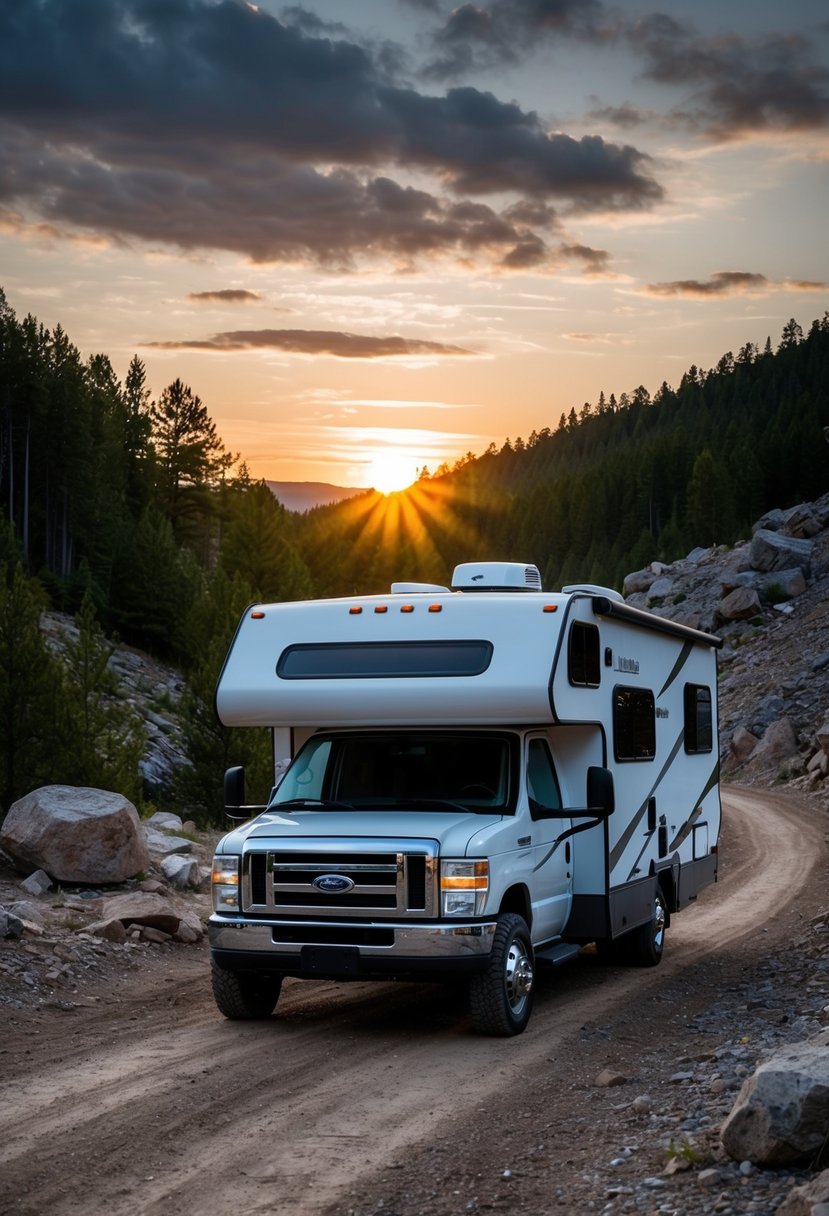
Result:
[[555, 955]]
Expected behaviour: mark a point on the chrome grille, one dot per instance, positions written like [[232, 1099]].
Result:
[[384, 881]]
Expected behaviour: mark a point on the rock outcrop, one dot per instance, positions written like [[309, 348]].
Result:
[[767, 598], [151, 688]]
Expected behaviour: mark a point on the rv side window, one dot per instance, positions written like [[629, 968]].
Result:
[[583, 666], [634, 724], [699, 728], [383, 660]]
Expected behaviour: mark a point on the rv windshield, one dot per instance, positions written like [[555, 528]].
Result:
[[408, 770]]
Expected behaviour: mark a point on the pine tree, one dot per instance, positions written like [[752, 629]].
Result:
[[211, 747], [256, 547], [30, 682]]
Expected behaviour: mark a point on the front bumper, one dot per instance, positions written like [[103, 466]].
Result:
[[345, 950]]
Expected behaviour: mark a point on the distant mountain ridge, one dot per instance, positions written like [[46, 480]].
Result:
[[305, 495]]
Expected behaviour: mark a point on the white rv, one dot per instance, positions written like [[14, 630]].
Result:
[[482, 779]]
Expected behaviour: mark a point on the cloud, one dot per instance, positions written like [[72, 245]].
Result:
[[625, 115], [478, 36], [595, 260], [228, 295], [213, 125], [316, 342], [742, 86], [731, 283]]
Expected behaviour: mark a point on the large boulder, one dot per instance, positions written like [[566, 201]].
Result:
[[782, 1111], [740, 746], [773, 551], [741, 604], [777, 746], [638, 580], [785, 584], [76, 835]]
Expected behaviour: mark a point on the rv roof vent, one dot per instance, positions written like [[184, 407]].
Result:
[[417, 589], [593, 589], [496, 576]]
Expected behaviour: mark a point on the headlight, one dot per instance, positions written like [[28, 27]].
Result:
[[463, 887], [224, 881]]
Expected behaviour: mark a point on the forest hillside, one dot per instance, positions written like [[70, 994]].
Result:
[[127, 513]]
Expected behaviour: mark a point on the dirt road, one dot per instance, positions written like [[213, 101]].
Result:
[[149, 1102]]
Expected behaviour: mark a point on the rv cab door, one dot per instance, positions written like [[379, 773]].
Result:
[[551, 881]]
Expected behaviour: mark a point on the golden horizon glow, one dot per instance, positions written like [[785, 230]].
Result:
[[391, 470]]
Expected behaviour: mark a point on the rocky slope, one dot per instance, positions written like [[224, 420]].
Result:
[[767, 598]]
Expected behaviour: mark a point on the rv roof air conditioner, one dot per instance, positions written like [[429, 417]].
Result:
[[496, 576]]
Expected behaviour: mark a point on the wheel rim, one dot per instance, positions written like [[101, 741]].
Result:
[[518, 976], [658, 925]]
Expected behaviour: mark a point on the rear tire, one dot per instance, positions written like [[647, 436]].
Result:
[[646, 944], [244, 995], [501, 998]]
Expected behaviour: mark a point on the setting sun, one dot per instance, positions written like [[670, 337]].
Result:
[[390, 471]]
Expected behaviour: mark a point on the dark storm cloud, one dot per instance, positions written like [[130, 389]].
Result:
[[741, 86], [730, 283], [316, 342], [228, 295], [214, 125], [501, 31], [330, 219]]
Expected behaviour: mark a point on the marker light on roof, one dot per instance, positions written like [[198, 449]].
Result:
[[355, 610], [381, 608], [257, 616], [550, 608], [407, 607], [436, 607]]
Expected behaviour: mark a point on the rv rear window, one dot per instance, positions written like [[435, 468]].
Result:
[[583, 667], [383, 660], [699, 730], [634, 724]]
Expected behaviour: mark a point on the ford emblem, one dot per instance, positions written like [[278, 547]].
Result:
[[333, 884]]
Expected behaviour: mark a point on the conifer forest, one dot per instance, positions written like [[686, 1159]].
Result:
[[128, 513]]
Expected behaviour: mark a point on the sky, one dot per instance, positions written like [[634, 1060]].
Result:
[[377, 235]]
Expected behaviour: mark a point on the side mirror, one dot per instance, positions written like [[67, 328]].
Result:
[[234, 786], [601, 797]]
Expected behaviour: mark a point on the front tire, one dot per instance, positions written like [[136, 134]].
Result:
[[501, 998], [244, 995]]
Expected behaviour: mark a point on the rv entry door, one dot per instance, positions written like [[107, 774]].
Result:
[[551, 879]]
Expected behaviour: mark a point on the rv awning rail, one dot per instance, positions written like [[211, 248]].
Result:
[[603, 606]]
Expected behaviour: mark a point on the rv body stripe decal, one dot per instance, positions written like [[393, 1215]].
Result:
[[625, 839], [547, 856], [686, 827], [685, 831], [684, 656]]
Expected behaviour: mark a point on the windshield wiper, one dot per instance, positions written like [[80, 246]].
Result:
[[430, 804], [324, 804]]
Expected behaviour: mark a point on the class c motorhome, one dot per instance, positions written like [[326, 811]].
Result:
[[483, 779]]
